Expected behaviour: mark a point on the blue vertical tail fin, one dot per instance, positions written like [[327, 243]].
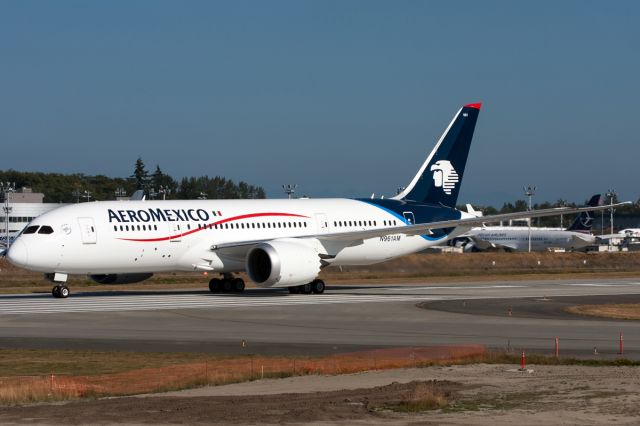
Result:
[[584, 221], [438, 180]]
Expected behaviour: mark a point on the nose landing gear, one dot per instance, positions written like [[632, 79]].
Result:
[[60, 291]]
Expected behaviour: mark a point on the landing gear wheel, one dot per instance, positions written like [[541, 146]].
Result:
[[294, 290], [317, 286], [64, 292], [226, 286], [306, 288], [214, 285], [60, 292], [238, 285]]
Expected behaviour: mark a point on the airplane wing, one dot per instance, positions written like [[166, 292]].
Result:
[[485, 245], [427, 228]]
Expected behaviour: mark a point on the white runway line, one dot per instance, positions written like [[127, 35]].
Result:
[[600, 284], [452, 287], [39, 305]]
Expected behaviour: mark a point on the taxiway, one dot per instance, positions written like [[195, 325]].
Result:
[[345, 318]]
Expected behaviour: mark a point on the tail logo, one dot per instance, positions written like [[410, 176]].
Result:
[[586, 220], [444, 176]]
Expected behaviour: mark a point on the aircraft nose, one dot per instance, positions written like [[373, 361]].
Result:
[[18, 254]]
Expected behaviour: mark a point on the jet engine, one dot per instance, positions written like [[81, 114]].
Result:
[[282, 263], [120, 278]]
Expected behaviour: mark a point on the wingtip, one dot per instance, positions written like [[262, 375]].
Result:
[[476, 105]]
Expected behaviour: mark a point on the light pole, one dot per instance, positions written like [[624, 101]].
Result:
[[164, 191], [87, 194], [611, 193], [289, 190], [120, 192], [76, 193], [529, 191], [562, 203], [7, 188]]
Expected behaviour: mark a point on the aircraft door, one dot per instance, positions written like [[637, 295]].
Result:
[[176, 232], [322, 223], [409, 218], [88, 231]]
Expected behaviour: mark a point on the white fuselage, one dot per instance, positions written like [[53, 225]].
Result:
[[156, 236], [517, 238]]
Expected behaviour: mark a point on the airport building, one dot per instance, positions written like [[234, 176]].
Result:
[[24, 206]]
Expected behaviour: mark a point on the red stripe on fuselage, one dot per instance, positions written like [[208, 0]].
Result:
[[231, 219]]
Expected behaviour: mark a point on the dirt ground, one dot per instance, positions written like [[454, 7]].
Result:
[[480, 395]]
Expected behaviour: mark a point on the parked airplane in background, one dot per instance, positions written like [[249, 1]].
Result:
[[279, 243], [516, 238], [628, 233]]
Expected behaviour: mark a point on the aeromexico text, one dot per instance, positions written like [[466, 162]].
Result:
[[158, 215]]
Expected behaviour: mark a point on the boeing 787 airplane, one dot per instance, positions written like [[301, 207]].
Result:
[[279, 243]]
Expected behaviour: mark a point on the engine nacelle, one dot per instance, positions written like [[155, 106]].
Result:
[[282, 263], [120, 278]]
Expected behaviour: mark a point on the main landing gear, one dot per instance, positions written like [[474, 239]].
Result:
[[315, 286], [60, 291], [227, 284]]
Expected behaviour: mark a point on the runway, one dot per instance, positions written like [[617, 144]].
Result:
[[345, 318]]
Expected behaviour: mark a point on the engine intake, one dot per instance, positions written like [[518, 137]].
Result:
[[282, 263]]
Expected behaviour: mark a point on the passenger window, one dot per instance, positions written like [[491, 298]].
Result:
[[45, 230], [115, 228], [31, 229]]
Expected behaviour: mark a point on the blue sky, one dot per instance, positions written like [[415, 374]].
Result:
[[344, 98]]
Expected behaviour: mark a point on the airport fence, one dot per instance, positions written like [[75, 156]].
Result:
[[23, 389]]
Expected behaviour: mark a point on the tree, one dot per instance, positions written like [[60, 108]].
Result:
[[140, 175]]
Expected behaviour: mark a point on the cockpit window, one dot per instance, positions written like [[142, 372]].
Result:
[[31, 229], [45, 230]]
